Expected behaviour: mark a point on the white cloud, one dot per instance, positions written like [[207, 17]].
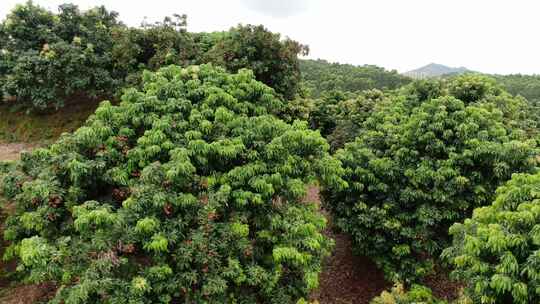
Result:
[[277, 8]]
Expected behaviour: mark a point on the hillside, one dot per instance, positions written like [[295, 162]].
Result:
[[527, 86], [320, 75], [435, 70]]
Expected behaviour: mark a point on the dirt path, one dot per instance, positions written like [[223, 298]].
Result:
[[346, 278], [12, 151]]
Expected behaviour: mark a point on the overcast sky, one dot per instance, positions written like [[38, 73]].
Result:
[[492, 36]]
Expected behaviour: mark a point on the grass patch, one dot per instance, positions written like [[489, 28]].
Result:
[[18, 126]]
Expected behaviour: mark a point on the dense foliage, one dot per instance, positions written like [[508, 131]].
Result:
[[339, 116], [47, 58], [188, 191], [153, 45], [351, 114], [321, 76], [326, 110], [423, 161], [497, 251], [273, 61], [527, 86], [517, 111]]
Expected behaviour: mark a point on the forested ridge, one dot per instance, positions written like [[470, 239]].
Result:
[[322, 76], [225, 167], [527, 86]]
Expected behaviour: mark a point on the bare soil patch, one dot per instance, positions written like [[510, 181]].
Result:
[[442, 286], [12, 151], [28, 294], [348, 279]]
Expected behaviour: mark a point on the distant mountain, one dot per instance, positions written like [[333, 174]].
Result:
[[435, 70]]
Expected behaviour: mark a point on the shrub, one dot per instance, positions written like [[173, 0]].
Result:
[[497, 251], [190, 190], [417, 294], [398, 295], [415, 170]]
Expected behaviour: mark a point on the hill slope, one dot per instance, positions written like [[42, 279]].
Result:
[[321, 75], [527, 86]]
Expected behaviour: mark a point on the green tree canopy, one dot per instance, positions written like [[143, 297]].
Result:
[[273, 60], [420, 165], [527, 86], [190, 190], [47, 58], [496, 252]]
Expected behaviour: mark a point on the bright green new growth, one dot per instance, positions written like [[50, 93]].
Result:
[[398, 295], [424, 160], [189, 191], [497, 251]]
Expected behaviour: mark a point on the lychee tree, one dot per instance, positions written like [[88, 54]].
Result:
[[496, 252], [190, 190], [421, 163]]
